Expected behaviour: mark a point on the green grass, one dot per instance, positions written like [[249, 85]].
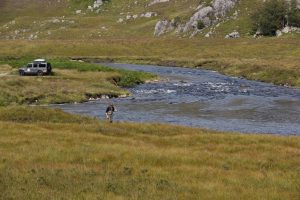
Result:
[[72, 81], [91, 35], [47, 154]]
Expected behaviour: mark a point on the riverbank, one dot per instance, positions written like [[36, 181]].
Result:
[[46, 153], [71, 82], [274, 60]]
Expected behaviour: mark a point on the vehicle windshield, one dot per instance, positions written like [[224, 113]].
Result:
[[29, 65]]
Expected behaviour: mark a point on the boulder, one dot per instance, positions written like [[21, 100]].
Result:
[[157, 1], [120, 20], [150, 14], [234, 35], [278, 33]]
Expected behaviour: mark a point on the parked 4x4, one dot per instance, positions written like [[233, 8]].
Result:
[[38, 67]]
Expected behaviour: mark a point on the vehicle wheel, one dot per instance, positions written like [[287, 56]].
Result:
[[40, 73], [22, 73]]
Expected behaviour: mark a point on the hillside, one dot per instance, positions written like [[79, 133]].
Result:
[[151, 31], [75, 19]]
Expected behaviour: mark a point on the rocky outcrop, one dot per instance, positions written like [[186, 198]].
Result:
[[201, 15], [221, 7], [208, 15], [163, 26]]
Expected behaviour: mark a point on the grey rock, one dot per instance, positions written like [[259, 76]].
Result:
[[120, 20], [157, 1], [234, 34], [221, 7], [97, 4], [201, 14], [163, 26], [278, 33], [149, 14], [289, 29], [218, 9]]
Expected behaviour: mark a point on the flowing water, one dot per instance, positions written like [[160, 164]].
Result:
[[202, 98]]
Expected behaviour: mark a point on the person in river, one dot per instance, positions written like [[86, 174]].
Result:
[[110, 112]]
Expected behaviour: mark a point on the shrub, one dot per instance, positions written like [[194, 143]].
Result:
[[294, 14], [200, 25], [270, 17]]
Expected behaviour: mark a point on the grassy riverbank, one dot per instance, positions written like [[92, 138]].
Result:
[[48, 154], [72, 81], [268, 59]]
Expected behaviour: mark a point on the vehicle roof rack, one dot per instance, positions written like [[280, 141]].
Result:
[[40, 60]]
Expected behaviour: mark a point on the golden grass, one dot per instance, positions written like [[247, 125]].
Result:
[[97, 160], [64, 86], [5, 69], [268, 59]]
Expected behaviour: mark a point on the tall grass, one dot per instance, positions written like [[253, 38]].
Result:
[[55, 158]]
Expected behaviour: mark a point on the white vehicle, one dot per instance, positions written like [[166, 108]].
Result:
[[38, 67]]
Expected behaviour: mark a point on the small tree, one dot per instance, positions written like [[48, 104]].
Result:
[[270, 17], [294, 14]]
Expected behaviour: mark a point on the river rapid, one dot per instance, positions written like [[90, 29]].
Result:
[[202, 98]]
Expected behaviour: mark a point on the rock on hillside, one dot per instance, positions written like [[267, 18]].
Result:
[[163, 26], [157, 1], [205, 14], [82, 19], [209, 15]]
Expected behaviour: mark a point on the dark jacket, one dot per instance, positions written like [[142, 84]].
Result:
[[110, 109]]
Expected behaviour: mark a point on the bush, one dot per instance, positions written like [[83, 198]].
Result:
[[294, 14], [200, 25], [270, 17]]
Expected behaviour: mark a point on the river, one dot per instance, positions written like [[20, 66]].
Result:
[[206, 99]]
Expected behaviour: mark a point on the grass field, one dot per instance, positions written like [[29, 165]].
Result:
[[270, 60], [71, 82], [62, 33], [48, 154]]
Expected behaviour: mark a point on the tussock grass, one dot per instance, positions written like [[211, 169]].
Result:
[[98, 160]]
